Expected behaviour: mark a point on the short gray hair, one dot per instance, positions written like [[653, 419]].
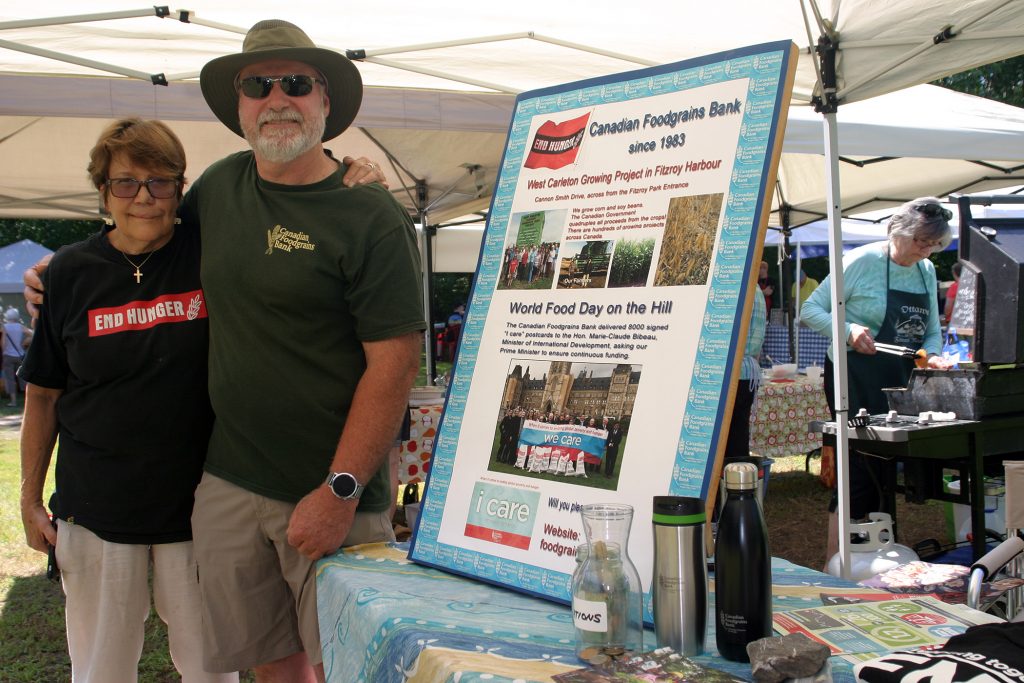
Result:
[[924, 218]]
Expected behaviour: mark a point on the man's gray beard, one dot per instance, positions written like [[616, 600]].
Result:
[[281, 150]]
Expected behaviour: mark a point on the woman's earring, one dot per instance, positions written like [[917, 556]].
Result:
[[108, 220], [177, 221]]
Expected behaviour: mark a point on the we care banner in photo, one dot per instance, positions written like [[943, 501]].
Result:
[[608, 312]]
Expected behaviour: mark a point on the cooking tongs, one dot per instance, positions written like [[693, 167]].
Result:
[[920, 356]]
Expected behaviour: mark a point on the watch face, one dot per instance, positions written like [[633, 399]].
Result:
[[344, 485]]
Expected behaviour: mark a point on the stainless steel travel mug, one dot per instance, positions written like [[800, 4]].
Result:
[[680, 583]]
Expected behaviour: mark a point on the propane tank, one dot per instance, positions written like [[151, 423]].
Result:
[[877, 553]]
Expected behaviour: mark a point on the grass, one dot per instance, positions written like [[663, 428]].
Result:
[[32, 641], [33, 647], [796, 512]]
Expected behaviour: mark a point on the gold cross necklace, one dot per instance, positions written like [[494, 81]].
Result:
[[138, 266]]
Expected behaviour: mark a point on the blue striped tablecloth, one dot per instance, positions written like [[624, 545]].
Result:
[[812, 350], [384, 618]]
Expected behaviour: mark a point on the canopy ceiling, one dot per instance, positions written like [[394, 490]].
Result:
[[441, 77]]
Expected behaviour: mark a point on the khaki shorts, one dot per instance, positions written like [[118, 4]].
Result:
[[259, 593]]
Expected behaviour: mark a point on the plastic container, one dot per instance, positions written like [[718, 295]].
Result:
[[877, 553], [995, 509]]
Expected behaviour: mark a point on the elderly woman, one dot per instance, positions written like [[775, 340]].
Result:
[[117, 370], [890, 295]]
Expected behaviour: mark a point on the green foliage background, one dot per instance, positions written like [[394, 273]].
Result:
[[49, 233]]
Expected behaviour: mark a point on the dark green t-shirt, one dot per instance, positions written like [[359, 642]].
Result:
[[296, 278]]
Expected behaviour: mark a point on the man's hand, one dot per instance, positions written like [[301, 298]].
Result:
[[39, 532], [34, 285], [362, 171], [860, 339], [320, 522]]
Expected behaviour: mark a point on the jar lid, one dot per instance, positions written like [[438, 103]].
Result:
[[678, 510], [740, 476]]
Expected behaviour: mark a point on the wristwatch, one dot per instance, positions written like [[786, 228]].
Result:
[[344, 485]]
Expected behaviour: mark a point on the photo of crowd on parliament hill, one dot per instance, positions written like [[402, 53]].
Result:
[[567, 421]]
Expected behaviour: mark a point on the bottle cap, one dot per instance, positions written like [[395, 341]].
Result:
[[678, 510], [740, 476]]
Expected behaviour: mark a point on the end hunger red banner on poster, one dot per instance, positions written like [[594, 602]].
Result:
[[556, 144]]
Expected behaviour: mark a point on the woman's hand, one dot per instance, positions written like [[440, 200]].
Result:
[[362, 171], [860, 339], [939, 363], [39, 532]]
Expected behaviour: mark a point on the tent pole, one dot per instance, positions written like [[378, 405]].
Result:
[[796, 305], [827, 104], [835, 255], [428, 270]]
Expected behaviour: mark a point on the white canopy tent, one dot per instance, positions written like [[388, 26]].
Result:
[[14, 259], [850, 50], [440, 111]]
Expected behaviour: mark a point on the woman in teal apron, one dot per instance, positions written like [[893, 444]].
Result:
[[890, 295]]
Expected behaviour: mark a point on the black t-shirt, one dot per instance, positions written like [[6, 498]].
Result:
[[134, 417]]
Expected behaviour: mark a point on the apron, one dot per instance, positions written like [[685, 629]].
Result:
[[905, 322]]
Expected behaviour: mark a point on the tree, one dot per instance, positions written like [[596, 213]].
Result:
[[49, 233], [1000, 81]]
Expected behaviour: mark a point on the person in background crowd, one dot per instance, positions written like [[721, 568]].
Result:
[[16, 338], [807, 285], [890, 295], [767, 284], [452, 329], [947, 314], [129, 403], [737, 444]]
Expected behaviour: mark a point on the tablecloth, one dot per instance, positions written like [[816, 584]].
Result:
[[386, 619], [813, 347], [779, 419]]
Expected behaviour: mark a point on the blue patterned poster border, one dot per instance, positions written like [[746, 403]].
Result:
[[609, 305]]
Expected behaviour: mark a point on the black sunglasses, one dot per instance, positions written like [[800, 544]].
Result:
[[933, 211], [293, 85], [128, 188]]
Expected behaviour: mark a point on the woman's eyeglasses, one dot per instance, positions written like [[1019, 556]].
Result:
[[933, 211], [930, 244], [128, 188], [292, 85]]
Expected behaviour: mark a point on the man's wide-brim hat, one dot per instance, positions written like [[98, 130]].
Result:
[[274, 39]]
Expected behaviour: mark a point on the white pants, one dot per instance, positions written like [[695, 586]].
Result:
[[107, 589]]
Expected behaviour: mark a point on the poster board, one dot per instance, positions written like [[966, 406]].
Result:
[[613, 287]]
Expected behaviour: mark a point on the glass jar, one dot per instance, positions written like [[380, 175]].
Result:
[[607, 599]]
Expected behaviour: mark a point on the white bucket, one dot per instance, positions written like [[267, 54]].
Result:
[[995, 509]]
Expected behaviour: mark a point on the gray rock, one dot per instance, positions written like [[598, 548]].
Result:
[[778, 658]]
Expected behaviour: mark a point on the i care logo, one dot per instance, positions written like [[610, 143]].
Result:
[[502, 515]]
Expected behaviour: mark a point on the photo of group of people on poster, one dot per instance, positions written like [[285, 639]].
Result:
[[565, 420]]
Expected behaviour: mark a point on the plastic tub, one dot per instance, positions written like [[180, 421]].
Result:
[[995, 509]]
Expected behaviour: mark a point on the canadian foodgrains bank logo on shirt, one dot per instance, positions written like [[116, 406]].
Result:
[[283, 239], [502, 515], [142, 315]]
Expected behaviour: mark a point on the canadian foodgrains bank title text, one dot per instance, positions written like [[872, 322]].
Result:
[[670, 120]]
